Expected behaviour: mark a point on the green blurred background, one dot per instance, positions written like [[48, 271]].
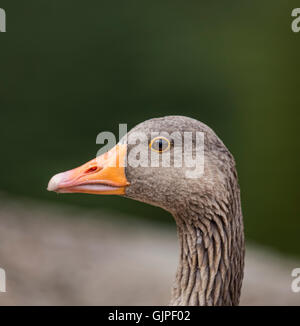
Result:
[[71, 69]]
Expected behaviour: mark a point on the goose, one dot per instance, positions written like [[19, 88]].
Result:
[[206, 208]]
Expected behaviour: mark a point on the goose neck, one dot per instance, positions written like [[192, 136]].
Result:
[[211, 262]]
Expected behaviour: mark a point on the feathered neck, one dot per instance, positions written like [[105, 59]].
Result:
[[211, 263]]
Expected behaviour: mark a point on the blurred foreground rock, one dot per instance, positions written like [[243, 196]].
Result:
[[69, 256]]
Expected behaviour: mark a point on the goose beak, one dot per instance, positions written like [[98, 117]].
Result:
[[102, 175]]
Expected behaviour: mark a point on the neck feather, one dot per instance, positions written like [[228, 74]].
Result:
[[211, 263]]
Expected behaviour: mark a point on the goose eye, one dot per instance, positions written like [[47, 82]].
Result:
[[159, 144]]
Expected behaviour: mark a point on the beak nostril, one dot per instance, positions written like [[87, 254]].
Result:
[[92, 169]]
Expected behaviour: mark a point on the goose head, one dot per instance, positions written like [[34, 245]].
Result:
[[180, 165]]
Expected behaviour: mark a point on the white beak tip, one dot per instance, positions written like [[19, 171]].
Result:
[[55, 181]]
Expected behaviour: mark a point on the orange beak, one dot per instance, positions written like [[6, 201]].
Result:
[[102, 175]]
